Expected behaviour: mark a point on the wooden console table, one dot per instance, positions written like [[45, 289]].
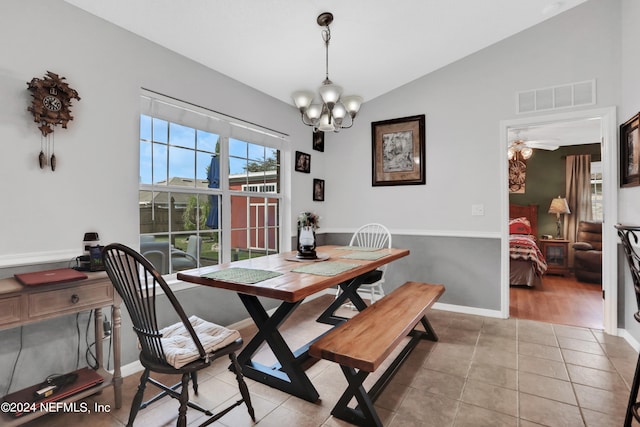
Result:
[[21, 305]]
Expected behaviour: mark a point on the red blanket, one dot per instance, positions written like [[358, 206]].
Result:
[[522, 246]]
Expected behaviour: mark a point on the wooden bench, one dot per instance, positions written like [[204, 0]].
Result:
[[362, 343]]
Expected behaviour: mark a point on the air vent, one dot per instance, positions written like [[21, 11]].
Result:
[[556, 97]]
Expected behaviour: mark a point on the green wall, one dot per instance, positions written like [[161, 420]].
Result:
[[545, 180]]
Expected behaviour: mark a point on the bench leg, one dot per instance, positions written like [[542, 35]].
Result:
[[430, 334], [364, 414]]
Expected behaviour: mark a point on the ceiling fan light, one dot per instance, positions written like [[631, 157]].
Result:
[[526, 152], [511, 152]]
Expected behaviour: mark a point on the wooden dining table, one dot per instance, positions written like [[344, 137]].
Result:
[[290, 280]]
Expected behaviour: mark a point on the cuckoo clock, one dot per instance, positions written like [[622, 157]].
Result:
[[51, 106]]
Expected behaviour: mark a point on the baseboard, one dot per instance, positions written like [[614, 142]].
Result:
[[130, 368], [467, 310], [629, 338]]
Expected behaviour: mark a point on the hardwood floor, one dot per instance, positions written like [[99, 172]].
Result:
[[561, 300]]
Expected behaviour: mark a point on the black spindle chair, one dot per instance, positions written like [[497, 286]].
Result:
[[140, 285], [629, 236]]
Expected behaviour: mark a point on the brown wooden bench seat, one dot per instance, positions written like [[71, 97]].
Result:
[[362, 343]]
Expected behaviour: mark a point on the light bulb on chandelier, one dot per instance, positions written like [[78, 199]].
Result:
[[327, 115]]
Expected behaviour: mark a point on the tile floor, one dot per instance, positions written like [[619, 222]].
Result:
[[482, 372]]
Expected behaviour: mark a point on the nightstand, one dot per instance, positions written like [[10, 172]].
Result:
[[556, 253]]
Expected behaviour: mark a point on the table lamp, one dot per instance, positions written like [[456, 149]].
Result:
[[559, 206]]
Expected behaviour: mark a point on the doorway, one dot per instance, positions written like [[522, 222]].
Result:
[[607, 134]]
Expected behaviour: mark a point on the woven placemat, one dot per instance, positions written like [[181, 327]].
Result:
[[242, 275], [325, 268], [357, 248], [369, 256]]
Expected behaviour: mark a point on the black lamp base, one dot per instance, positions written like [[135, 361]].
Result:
[[311, 254]]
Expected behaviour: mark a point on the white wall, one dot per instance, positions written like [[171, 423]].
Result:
[[94, 188], [629, 198], [464, 103], [45, 214]]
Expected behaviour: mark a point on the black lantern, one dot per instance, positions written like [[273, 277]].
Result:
[[307, 223]]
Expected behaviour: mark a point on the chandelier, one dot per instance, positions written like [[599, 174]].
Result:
[[329, 113]]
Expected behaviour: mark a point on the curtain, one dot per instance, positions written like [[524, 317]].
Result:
[[578, 186]]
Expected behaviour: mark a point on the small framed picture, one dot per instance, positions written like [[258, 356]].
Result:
[[303, 162], [318, 190], [318, 141], [630, 152]]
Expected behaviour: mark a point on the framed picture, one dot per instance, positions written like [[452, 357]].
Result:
[[318, 141], [303, 162], [318, 190], [630, 152], [398, 151]]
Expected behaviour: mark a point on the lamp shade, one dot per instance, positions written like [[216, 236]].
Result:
[[330, 93], [352, 104], [559, 205], [302, 99]]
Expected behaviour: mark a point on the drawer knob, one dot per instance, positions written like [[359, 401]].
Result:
[[74, 298]]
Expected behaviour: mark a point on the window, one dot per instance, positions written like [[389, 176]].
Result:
[[596, 191], [209, 187]]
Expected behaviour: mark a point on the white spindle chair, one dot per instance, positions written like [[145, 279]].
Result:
[[372, 236]]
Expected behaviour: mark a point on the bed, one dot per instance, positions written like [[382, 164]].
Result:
[[526, 262]]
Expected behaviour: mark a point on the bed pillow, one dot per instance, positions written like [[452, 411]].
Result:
[[519, 226]]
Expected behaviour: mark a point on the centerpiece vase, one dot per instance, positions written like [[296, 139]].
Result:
[[306, 243]]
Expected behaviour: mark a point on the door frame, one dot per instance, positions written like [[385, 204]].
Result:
[[609, 150]]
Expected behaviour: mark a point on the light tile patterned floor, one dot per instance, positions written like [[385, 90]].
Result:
[[482, 372]]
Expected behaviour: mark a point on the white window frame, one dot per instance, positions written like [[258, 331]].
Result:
[[173, 110]]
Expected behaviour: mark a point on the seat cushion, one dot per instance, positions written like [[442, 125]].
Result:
[[372, 277], [179, 347]]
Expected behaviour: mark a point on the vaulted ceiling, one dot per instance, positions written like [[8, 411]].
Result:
[[276, 46]]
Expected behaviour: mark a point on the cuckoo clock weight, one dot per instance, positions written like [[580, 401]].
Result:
[[51, 106]]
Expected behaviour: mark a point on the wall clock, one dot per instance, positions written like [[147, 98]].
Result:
[[50, 106]]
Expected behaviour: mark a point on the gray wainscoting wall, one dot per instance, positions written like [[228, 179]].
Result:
[[469, 267]]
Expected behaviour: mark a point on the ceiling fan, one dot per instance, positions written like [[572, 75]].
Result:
[[525, 147]]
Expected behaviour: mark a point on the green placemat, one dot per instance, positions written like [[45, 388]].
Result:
[[369, 256], [242, 275], [357, 248], [325, 268]]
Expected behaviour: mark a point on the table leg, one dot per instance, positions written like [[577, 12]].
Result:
[[98, 334], [288, 374], [350, 292], [115, 334]]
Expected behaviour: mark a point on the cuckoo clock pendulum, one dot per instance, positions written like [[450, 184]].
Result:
[[51, 106]]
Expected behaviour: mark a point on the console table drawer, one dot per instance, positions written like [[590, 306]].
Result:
[[70, 299], [10, 310]]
